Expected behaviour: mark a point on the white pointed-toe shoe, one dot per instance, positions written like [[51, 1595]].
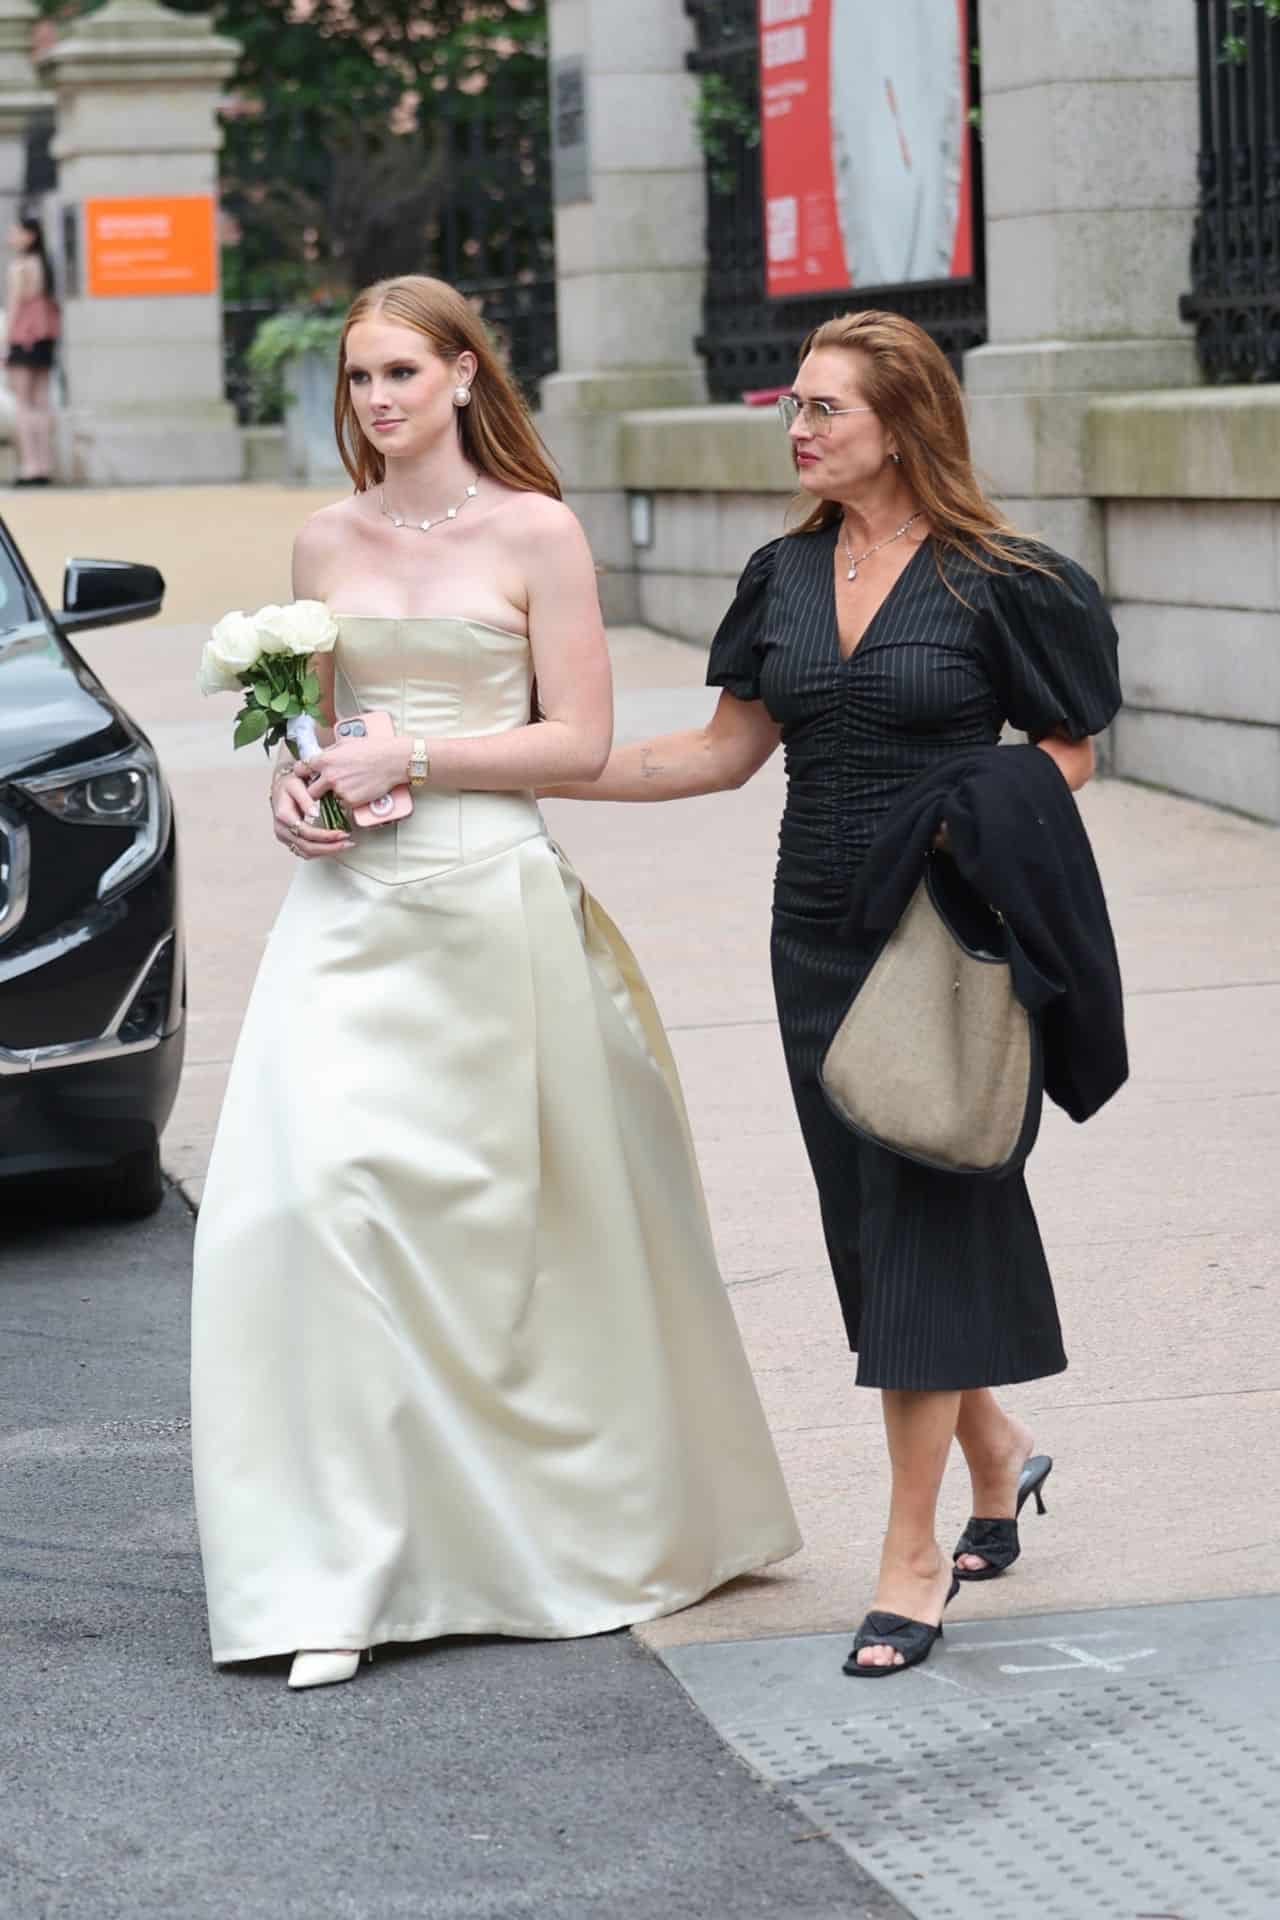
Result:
[[325, 1669]]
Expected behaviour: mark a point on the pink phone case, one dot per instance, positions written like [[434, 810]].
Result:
[[396, 805]]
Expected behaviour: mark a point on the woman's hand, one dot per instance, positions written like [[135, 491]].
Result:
[[296, 819], [358, 769]]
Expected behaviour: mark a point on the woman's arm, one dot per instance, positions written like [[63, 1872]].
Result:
[[15, 288], [294, 813], [734, 744], [571, 662], [1075, 760]]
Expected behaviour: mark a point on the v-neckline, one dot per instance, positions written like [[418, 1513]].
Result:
[[846, 659]]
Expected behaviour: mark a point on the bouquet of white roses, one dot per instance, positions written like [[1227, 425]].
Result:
[[267, 655]]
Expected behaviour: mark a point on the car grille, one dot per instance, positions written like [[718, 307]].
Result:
[[15, 872]]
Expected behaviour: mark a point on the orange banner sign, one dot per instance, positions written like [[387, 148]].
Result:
[[148, 246]]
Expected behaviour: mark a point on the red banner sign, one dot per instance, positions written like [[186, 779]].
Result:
[[867, 176]]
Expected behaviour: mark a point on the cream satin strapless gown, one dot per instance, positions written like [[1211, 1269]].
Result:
[[462, 1358]]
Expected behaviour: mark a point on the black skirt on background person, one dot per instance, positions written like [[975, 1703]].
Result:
[[942, 1280]]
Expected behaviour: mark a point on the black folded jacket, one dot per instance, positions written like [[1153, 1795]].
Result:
[[1017, 839]]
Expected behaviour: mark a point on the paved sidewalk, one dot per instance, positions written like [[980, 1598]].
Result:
[[1097, 1766], [1162, 1217]]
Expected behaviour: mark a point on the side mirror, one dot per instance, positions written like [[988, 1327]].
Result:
[[103, 593]]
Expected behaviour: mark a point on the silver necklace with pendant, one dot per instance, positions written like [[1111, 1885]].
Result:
[[425, 526], [888, 541]]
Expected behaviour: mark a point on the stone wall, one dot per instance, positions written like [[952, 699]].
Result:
[[1190, 488]]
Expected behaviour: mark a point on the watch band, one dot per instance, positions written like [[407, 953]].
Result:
[[419, 764]]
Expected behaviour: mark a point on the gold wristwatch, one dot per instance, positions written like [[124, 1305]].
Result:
[[419, 764]]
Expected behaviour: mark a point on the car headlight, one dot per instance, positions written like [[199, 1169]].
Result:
[[124, 790]]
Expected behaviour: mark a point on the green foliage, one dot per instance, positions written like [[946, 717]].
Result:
[[278, 340], [335, 160], [1234, 51], [251, 724], [723, 121]]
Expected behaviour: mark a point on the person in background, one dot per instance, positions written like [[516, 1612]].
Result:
[[32, 333]]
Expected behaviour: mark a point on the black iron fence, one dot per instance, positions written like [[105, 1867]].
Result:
[[318, 210], [1234, 301], [749, 341]]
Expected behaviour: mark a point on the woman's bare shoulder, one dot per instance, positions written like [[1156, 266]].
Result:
[[537, 517], [318, 541], [322, 530]]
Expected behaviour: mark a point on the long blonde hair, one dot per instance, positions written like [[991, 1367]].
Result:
[[498, 436], [906, 379]]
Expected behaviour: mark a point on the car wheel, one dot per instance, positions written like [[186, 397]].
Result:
[[134, 1187]]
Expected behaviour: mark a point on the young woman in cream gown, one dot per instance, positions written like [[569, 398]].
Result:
[[462, 1358]]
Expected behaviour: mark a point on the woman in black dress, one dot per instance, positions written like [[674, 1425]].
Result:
[[902, 622]]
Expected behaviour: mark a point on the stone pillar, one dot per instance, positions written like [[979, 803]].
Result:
[[630, 253], [1090, 134], [20, 97], [137, 91]]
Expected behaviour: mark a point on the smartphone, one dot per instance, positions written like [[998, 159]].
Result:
[[396, 805]]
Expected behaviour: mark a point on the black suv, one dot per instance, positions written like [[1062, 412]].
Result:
[[92, 990]]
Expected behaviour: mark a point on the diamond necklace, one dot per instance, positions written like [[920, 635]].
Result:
[[886, 542], [425, 526]]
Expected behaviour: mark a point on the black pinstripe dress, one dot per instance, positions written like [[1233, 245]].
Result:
[[942, 1280]]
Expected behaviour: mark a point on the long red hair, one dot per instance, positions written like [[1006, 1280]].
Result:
[[906, 379], [498, 435]]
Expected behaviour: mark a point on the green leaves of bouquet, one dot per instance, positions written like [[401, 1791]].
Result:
[[267, 656], [272, 702]]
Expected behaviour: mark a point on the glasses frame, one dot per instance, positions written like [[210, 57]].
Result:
[[812, 412]]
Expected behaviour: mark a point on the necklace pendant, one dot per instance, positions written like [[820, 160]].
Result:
[[853, 570]]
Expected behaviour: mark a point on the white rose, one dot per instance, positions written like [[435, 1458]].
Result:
[[303, 627], [235, 644], [272, 627], [214, 676]]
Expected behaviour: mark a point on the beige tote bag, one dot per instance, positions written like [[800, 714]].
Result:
[[937, 1059]]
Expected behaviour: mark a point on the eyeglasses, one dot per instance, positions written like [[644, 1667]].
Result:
[[817, 414]]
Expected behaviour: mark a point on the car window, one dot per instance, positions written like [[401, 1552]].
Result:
[[18, 604]]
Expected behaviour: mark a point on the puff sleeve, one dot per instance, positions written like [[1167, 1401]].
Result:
[[736, 650], [1051, 650]]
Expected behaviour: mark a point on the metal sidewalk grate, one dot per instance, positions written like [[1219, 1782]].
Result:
[[989, 1788]]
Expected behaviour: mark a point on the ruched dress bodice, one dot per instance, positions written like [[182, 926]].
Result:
[[437, 677]]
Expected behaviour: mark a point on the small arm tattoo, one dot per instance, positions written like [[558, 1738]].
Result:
[[649, 767]]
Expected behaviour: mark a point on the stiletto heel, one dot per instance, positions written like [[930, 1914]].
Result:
[[996, 1541]]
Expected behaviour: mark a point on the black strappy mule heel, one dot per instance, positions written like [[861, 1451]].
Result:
[[913, 1639], [996, 1541]]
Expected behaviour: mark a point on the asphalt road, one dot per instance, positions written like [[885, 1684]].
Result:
[[477, 1779]]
